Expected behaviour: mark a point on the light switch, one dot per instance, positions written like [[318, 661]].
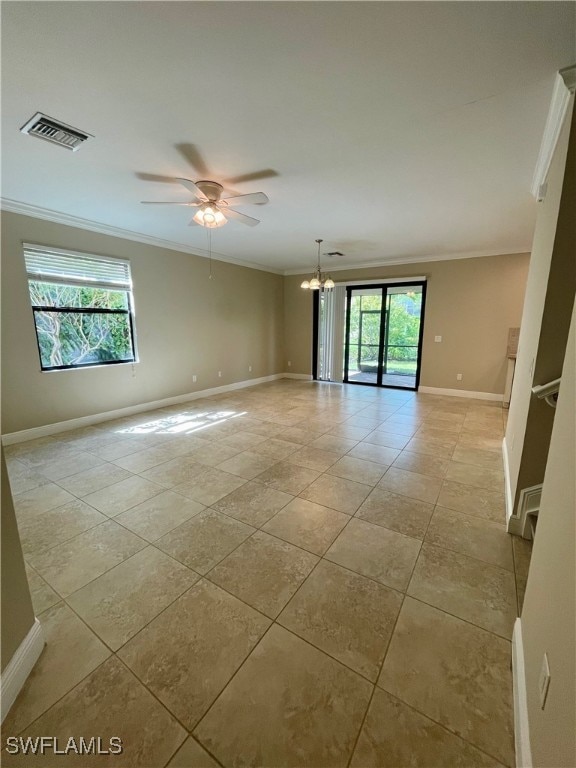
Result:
[[437, 338]]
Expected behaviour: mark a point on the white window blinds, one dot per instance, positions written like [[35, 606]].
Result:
[[331, 334], [51, 265]]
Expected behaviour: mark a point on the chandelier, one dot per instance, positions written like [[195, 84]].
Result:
[[318, 280]]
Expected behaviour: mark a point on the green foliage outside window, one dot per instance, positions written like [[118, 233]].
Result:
[[81, 338], [403, 327]]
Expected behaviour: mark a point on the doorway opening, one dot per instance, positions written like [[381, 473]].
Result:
[[370, 334], [383, 341]]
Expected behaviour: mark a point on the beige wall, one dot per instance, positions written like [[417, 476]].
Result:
[[549, 612], [471, 303], [546, 319], [17, 612], [186, 325]]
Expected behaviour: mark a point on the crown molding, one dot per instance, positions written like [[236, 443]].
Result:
[[564, 85], [46, 214], [414, 260]]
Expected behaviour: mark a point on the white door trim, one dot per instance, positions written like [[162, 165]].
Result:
[[521, 723], [564, 85]]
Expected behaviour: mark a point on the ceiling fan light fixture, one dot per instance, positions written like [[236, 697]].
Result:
[[210, 204], [209, 216]]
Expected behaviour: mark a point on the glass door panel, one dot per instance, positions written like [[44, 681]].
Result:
[[384, 335], [365, 328], [402, 339]]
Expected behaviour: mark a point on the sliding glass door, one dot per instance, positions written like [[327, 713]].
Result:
[[365, 326], [383, 340]]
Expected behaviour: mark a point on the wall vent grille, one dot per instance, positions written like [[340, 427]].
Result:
[[44, 127]]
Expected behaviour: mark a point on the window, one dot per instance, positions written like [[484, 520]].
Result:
[[82, 308]]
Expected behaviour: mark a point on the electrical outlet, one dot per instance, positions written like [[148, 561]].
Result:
[[194, 379], [544, 681], [219, 374], [437, 338], [249, 368], [289, 363], [458, 377]]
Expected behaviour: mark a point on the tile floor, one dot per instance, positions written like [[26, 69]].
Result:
[[294, 574]]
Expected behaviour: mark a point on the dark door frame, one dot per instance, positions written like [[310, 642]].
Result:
[[383, 328], [315, 331]]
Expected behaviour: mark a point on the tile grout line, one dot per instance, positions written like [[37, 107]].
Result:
[[443, 726], [465, 554], [202, 746], [93, 631], [459, 618], [45, 711], [376, 687], [229, 682]]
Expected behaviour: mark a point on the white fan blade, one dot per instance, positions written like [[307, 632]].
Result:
[[230, 213], [254, 198], [154, 202], [191, 187]]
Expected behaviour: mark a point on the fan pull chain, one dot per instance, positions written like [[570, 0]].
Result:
[[209, 231]]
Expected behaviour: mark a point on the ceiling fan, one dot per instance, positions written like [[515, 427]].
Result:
[[213, 209]]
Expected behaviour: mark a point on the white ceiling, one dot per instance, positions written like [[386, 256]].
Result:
[[398, 130]]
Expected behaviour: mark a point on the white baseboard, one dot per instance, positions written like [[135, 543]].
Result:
[[20, 666], [96, 418], [521, 723], [461, 393], [86, 421]]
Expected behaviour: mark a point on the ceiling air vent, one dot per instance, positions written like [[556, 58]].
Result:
[[44, 127]]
